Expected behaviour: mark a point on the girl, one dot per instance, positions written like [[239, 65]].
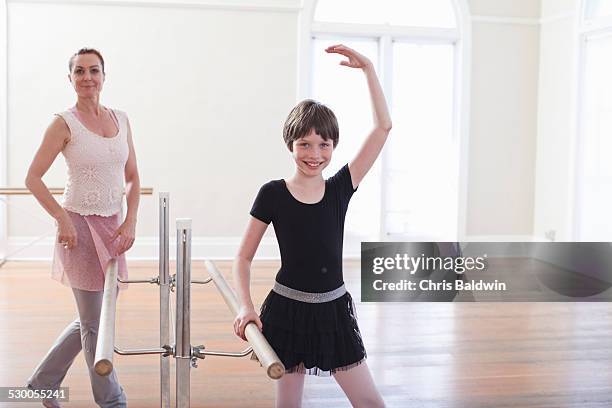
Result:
[[308, 317]]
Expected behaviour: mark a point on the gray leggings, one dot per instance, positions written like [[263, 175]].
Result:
[[80, 334]]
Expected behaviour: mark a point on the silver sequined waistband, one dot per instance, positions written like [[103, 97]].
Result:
[[308, 297]]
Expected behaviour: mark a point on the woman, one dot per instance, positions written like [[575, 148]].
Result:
[[97, 144]]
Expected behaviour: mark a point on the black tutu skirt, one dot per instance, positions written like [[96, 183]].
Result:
[[313, 338]]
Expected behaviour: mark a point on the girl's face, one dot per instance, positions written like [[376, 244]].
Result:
[[86, 76], [312, 153]]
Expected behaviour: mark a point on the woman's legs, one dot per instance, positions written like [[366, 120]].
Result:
[[359, 387], [289, 390], [106, 389], [80, 334], [53, 368]]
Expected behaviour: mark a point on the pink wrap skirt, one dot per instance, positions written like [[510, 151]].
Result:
[[83, 267]]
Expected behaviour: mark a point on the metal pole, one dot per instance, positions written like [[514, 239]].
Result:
[[183, 341], [164, 299]]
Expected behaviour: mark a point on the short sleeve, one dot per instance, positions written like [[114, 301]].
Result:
[[263, 207], [343, 182]]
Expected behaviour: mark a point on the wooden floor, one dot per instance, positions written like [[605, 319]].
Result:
[[422, 355]]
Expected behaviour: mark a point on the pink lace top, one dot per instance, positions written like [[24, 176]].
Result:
[[96, 167]]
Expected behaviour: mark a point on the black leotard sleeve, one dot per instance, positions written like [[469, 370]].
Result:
[[263, 207]]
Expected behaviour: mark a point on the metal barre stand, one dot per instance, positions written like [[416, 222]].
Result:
[[184, 353]]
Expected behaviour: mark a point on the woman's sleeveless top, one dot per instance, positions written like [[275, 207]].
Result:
[[96, 168]]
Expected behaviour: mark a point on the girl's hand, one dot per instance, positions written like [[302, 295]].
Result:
[[355, 59], [125, 234], [66, 233], [245, 316]]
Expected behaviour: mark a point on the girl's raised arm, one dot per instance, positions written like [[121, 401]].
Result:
[[375, 141]]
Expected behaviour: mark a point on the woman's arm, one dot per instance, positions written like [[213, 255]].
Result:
[[127, 230], [242, 275], [132, 180], [375, 141], [55, 138]]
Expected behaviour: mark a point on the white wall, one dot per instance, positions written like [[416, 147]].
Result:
[[556, 127], [529, 9], [503, 118], [207, 86], [206, 90]]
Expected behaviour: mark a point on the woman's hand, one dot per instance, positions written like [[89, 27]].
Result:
[[66, 233], [125, 235], [355, 59], [245, 316]]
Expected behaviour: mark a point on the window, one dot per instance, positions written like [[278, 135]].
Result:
[[422, 155], [594, 162], [413, 190], [407, 13], [596, 9]]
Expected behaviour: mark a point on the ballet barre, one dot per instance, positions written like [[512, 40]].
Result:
[[54, 191], [264, 352], [22, 191], [185, 355]]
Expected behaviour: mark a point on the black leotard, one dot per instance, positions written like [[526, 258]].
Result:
[[310, 236]]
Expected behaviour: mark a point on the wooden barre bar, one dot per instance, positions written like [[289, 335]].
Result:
[[54, 191], [105, 347], [266, 355]]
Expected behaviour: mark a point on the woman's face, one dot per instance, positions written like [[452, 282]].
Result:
[[86, 76]]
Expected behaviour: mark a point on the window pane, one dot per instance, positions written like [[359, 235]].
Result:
[[415, 13], [597, 8], [345, 91], [595, 172], [421, 194]]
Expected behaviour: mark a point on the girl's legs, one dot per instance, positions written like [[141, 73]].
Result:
[[106, 389], [359, 387], [289, 390]]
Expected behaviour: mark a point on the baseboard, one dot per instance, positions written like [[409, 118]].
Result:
[[221, 248], [146, 248], [505, 238]]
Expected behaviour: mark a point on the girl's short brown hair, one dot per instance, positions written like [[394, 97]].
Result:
[[308, 115], [85, 51]]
